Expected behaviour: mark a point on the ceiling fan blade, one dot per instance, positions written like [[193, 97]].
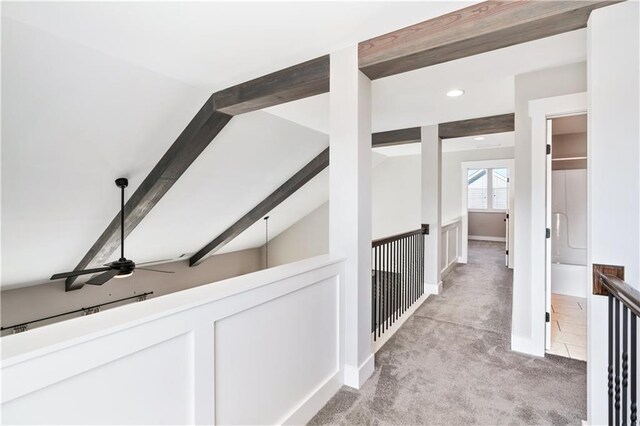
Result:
[[76, 273], [154, 261], [155, 270], [103, 278]]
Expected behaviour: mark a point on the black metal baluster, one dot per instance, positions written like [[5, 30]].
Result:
[[378, 250], [422, 258], [617, 359], [413, 270], [409, 270], [384, 287], [374, 291], [420, 262], [388, 287], [395, 280], [404, 273], [634, 378], [625, 363], [610, 368]]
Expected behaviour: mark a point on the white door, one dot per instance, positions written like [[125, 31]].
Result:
[[548, 239], [506, 221]]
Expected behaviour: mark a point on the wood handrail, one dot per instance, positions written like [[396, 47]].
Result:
[[622, 291], [380, 241]]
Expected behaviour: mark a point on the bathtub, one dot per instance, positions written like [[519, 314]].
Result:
[[569, 279], [569, 233]]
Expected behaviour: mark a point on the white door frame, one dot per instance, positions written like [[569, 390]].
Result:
[[507, 163], [539, 111]]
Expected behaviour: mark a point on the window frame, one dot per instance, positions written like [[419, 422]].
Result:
[[490, 208]]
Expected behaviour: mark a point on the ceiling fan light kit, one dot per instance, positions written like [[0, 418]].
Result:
[[122, 267]]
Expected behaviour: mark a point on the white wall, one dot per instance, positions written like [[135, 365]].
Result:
[[613, 173], [306, 238], [236, 352], [396, 196], [452, 176], [539, 84], [33, 302]]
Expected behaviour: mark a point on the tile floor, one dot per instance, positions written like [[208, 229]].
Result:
[[568, 326]]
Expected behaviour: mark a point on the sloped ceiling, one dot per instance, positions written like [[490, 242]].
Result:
[[97, 90], [78, 119]]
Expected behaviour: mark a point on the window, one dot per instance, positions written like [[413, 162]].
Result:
[[488, 189], [500, 189], [477, 180]]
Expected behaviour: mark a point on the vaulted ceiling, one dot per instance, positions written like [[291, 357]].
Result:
[[94, 91]]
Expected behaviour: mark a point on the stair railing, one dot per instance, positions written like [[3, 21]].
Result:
[[624, 309], [397, 280]]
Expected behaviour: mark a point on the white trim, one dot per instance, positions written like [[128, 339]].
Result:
[[487, 211], [433, 288], [315, 401], [526, 346], [355, 377], [540, 110], [36, 360], [483, 238]]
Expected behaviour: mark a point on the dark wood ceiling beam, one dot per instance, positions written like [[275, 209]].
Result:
[[192, 141], [396, 137], [300, 81], [480, 28], [296, 82], [294, 183], [477, 126], [454, 129]]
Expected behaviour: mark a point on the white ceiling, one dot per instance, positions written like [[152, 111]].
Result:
[[214, 45], [93, 91], [418, 98]]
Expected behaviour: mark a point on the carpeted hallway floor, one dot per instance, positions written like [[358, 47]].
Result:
[[450, 363]]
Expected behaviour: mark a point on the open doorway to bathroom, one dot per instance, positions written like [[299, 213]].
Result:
[[567, 232]]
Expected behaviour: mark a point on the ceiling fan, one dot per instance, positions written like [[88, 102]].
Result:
[[122, 267]]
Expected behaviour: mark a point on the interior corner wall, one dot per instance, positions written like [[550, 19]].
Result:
[[50, 299], [613, 177], [563, 80], [308, 237], [452, 176]]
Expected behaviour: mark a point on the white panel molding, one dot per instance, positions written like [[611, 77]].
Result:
[[35, 360], [451, 241]]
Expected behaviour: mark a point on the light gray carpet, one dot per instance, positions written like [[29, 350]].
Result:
[[450, 363]]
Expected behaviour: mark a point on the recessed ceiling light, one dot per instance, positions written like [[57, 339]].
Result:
[[479, 138], [455, 93]]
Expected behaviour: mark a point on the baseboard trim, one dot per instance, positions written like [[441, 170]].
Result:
[[483, 238], [355, 377], [433, 288], [526, 346], [314, 402], [446, 271]]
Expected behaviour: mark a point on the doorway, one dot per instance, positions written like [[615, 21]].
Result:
[[566, 244], [487, 204]]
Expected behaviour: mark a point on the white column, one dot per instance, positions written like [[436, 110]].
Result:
[[431, 207], [613, 200], [350, 206]]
